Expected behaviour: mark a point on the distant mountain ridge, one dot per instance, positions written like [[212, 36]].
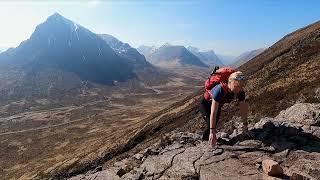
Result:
[[146, 50], [171, 55], [226, 59], [208, 57], [125, 50], [246, 56]]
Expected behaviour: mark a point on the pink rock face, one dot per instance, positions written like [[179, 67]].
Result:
[[271, 168]]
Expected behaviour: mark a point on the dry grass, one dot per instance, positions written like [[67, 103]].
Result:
[[73, 136]]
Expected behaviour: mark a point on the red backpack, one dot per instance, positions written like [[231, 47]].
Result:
[[218, 76]]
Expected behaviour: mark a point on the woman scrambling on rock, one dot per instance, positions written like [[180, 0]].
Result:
[[223, 86]]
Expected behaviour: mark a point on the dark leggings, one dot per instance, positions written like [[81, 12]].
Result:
[[205, 109]]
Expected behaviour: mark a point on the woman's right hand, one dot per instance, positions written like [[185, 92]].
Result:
[[212, 139]]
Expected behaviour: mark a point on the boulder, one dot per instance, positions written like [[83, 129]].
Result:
[[301, 113], [271, 168]]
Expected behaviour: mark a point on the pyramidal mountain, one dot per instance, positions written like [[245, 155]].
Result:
[[208, 57], [59, 56], [170, 56], [63, 44]]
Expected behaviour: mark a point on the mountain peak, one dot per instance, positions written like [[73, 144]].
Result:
[[56, 17], [56, 14], [65, 45]]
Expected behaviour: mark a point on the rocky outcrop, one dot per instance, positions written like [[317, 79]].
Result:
[[292, 139], [302, 113]]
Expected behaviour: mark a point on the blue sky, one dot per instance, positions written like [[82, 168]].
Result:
[[229, 27]]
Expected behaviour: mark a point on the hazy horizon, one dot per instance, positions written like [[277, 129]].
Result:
[[227, 27]]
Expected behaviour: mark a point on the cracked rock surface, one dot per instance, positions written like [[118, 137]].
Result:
[[292, 139]]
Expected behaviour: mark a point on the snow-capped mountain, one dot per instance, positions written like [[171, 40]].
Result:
[[125, 50]]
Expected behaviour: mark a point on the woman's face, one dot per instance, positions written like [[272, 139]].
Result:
[[235, 86]]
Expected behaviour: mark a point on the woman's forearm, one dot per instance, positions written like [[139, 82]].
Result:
[[213, 115]]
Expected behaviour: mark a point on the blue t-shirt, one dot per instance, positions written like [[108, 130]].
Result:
[[218, 95]]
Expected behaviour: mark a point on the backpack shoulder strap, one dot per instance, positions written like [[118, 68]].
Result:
[[224, 87]]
